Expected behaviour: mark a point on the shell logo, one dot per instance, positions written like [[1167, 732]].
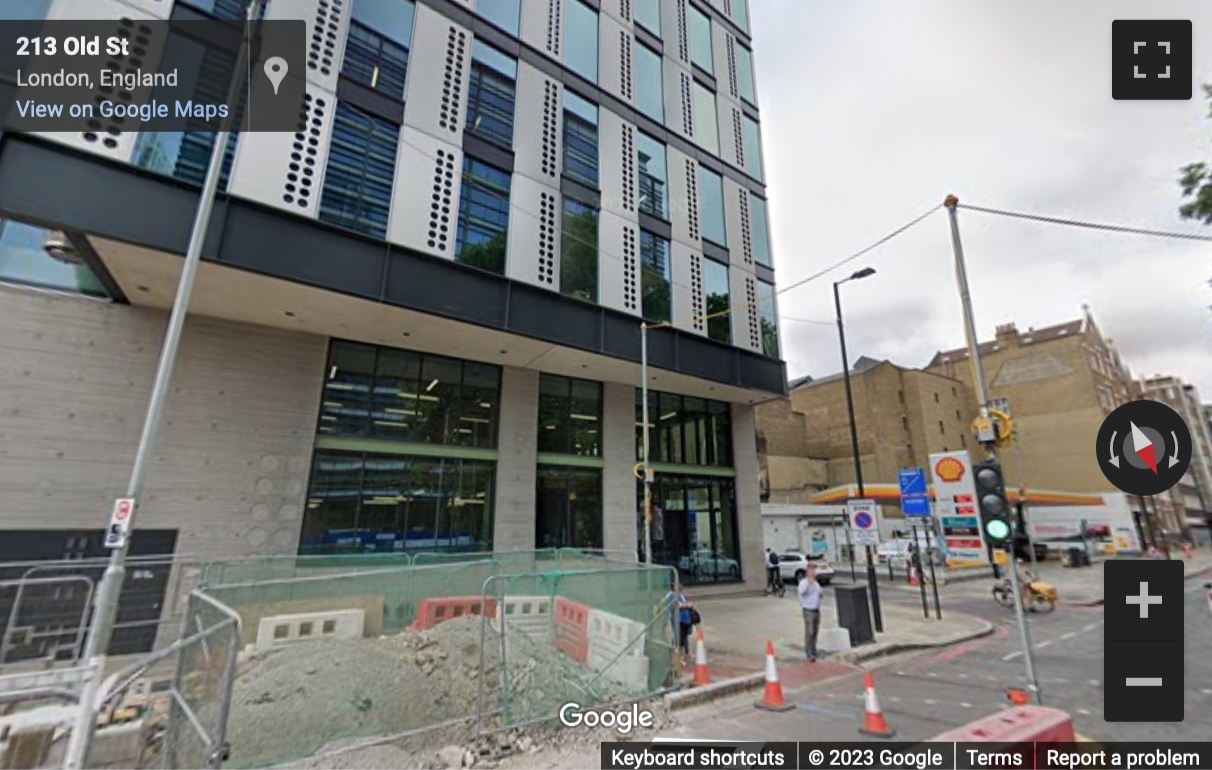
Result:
[[949, 470]]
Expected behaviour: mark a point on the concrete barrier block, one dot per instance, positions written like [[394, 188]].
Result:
[[833, 640], [333, 624]]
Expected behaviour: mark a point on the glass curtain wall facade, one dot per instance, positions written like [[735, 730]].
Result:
[[568, 510], [405, 456], [694, 527]]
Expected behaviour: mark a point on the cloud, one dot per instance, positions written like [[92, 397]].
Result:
[[884, 108]]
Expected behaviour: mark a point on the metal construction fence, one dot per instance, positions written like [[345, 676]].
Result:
[[488, 640]]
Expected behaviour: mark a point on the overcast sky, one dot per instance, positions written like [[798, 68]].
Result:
[[874, 110]]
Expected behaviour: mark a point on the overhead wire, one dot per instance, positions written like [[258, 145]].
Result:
[[1086, 225]]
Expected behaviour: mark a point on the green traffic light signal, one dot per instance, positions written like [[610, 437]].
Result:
[[997, 530]]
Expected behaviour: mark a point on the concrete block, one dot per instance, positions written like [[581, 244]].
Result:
[[277, 630], [833, 640]]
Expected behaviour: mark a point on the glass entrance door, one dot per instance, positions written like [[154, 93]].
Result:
[[694, 528]]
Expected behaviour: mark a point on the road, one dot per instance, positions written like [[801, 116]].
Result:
[[926, 693]]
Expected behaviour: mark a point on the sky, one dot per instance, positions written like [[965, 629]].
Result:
[[874, 110]]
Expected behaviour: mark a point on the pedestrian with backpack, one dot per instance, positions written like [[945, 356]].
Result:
[[772, 571]]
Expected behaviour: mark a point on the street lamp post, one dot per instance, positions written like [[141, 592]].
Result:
[[872, 585]]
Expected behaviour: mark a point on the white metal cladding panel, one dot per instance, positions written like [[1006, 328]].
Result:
[[619, 165], [534, 234], [732, 140], [543, 26], [285, 170], [109, 137], [740, 227], [425, 199], [438, 67], [620, 10], [676, 30], [679, 99], [538, 126], [723, 52], [619, 241], [684, 198], [616, 47], [327, 27], [689, 300], [746, 326]]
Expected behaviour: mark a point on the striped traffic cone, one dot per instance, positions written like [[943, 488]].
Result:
[[702, 675], [873, 718], [772, 699], [913, 579]]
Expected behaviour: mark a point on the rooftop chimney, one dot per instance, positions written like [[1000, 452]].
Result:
[[1007, 335]]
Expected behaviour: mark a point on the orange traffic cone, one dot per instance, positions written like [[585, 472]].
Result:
[[702, 675], [913, 575], [772, 699], [873, 720]]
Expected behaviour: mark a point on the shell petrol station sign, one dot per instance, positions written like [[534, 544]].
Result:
[[956, 509]]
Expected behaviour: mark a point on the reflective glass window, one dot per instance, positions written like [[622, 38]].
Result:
[[715, 282], [581, 40], [753, 147], [654, 194], [568, 507], [700, 39], [706, 120], [684, 430], [390, 18], [483, 216], [570, 416], [711, 206], [490, 95], [656, 277], [360, 173], [649, 83], [375, 61], [33, 256], [503, 13], [769, 318], [740, 14], [580, 139], [744, 73], [648, 15], [579, 251], [761, 230]]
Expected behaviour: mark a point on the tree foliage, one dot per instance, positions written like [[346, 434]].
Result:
[[1196, 183], [579, 254], [486, 255]]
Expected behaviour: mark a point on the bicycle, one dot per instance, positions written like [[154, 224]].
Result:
[[775, 586]]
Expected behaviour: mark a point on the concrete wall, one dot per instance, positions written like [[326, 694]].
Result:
[[618, 455], [517, 470], [748, 497], [230, 469]]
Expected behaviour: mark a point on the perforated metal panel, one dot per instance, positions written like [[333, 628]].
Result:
[[617, 54], [619, 242], [327, 27], [425, 200], [534, 234], [689, 299], [538, 126], [286, 170], [746, 323], [543, 26], [620, 10], [684, 198], [740, 228], [439, 63], [723, 51], [674, 24], [679, 101], [732, 140], [619, 165], [110, 137]]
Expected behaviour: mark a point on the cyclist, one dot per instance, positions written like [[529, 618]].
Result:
[[772, 570]]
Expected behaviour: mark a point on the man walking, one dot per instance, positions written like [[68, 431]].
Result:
[[810, 604], [772, 571]]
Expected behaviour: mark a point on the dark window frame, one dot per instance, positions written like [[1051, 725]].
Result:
[[372, 50], [491, 102]]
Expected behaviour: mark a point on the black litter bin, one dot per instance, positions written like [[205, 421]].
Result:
[[854, 613]]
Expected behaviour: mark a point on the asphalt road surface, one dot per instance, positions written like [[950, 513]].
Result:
[[926, 693]]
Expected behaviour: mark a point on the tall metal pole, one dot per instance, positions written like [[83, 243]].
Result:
[[978, 374], [106, 607], [647, 467], [872, 583]]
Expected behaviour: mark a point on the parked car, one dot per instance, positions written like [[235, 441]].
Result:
[[793, 565], [898, 551], [706, 562]]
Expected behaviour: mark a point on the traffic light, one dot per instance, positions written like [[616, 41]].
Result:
[[994, 507]]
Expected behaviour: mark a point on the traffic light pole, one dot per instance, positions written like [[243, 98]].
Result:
[[978, 377]]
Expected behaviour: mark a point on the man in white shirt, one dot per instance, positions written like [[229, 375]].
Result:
[[810, 604], [772, 570]]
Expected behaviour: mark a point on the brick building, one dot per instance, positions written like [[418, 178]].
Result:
[[1192, 496]]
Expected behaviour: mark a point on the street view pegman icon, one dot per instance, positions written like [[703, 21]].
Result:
[[276, 69], [1144, 447]]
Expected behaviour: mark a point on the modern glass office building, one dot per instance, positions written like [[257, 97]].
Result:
[[417, 323]]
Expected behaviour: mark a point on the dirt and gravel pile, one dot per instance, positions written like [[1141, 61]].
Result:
[[294, 701]]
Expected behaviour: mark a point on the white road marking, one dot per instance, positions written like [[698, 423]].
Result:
[[1042, 645], [966, 705], [1069, 635], [930, 702], [1206, 691], [963, 676], [1083, 712], [1094, 683], [1011, 656], [1090, 627], [894, 699], [932, 674]]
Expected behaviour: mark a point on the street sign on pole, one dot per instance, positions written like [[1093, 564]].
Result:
[[864, 522], [119, 522], [914, 499]]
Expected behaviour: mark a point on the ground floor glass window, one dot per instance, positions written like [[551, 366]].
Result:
[[694, 527], [361, 502], [568, 510]]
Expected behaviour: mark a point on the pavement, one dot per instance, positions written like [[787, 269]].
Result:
[[928, 691]]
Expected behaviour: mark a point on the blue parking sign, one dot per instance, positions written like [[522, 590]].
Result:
[[914, 499]]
